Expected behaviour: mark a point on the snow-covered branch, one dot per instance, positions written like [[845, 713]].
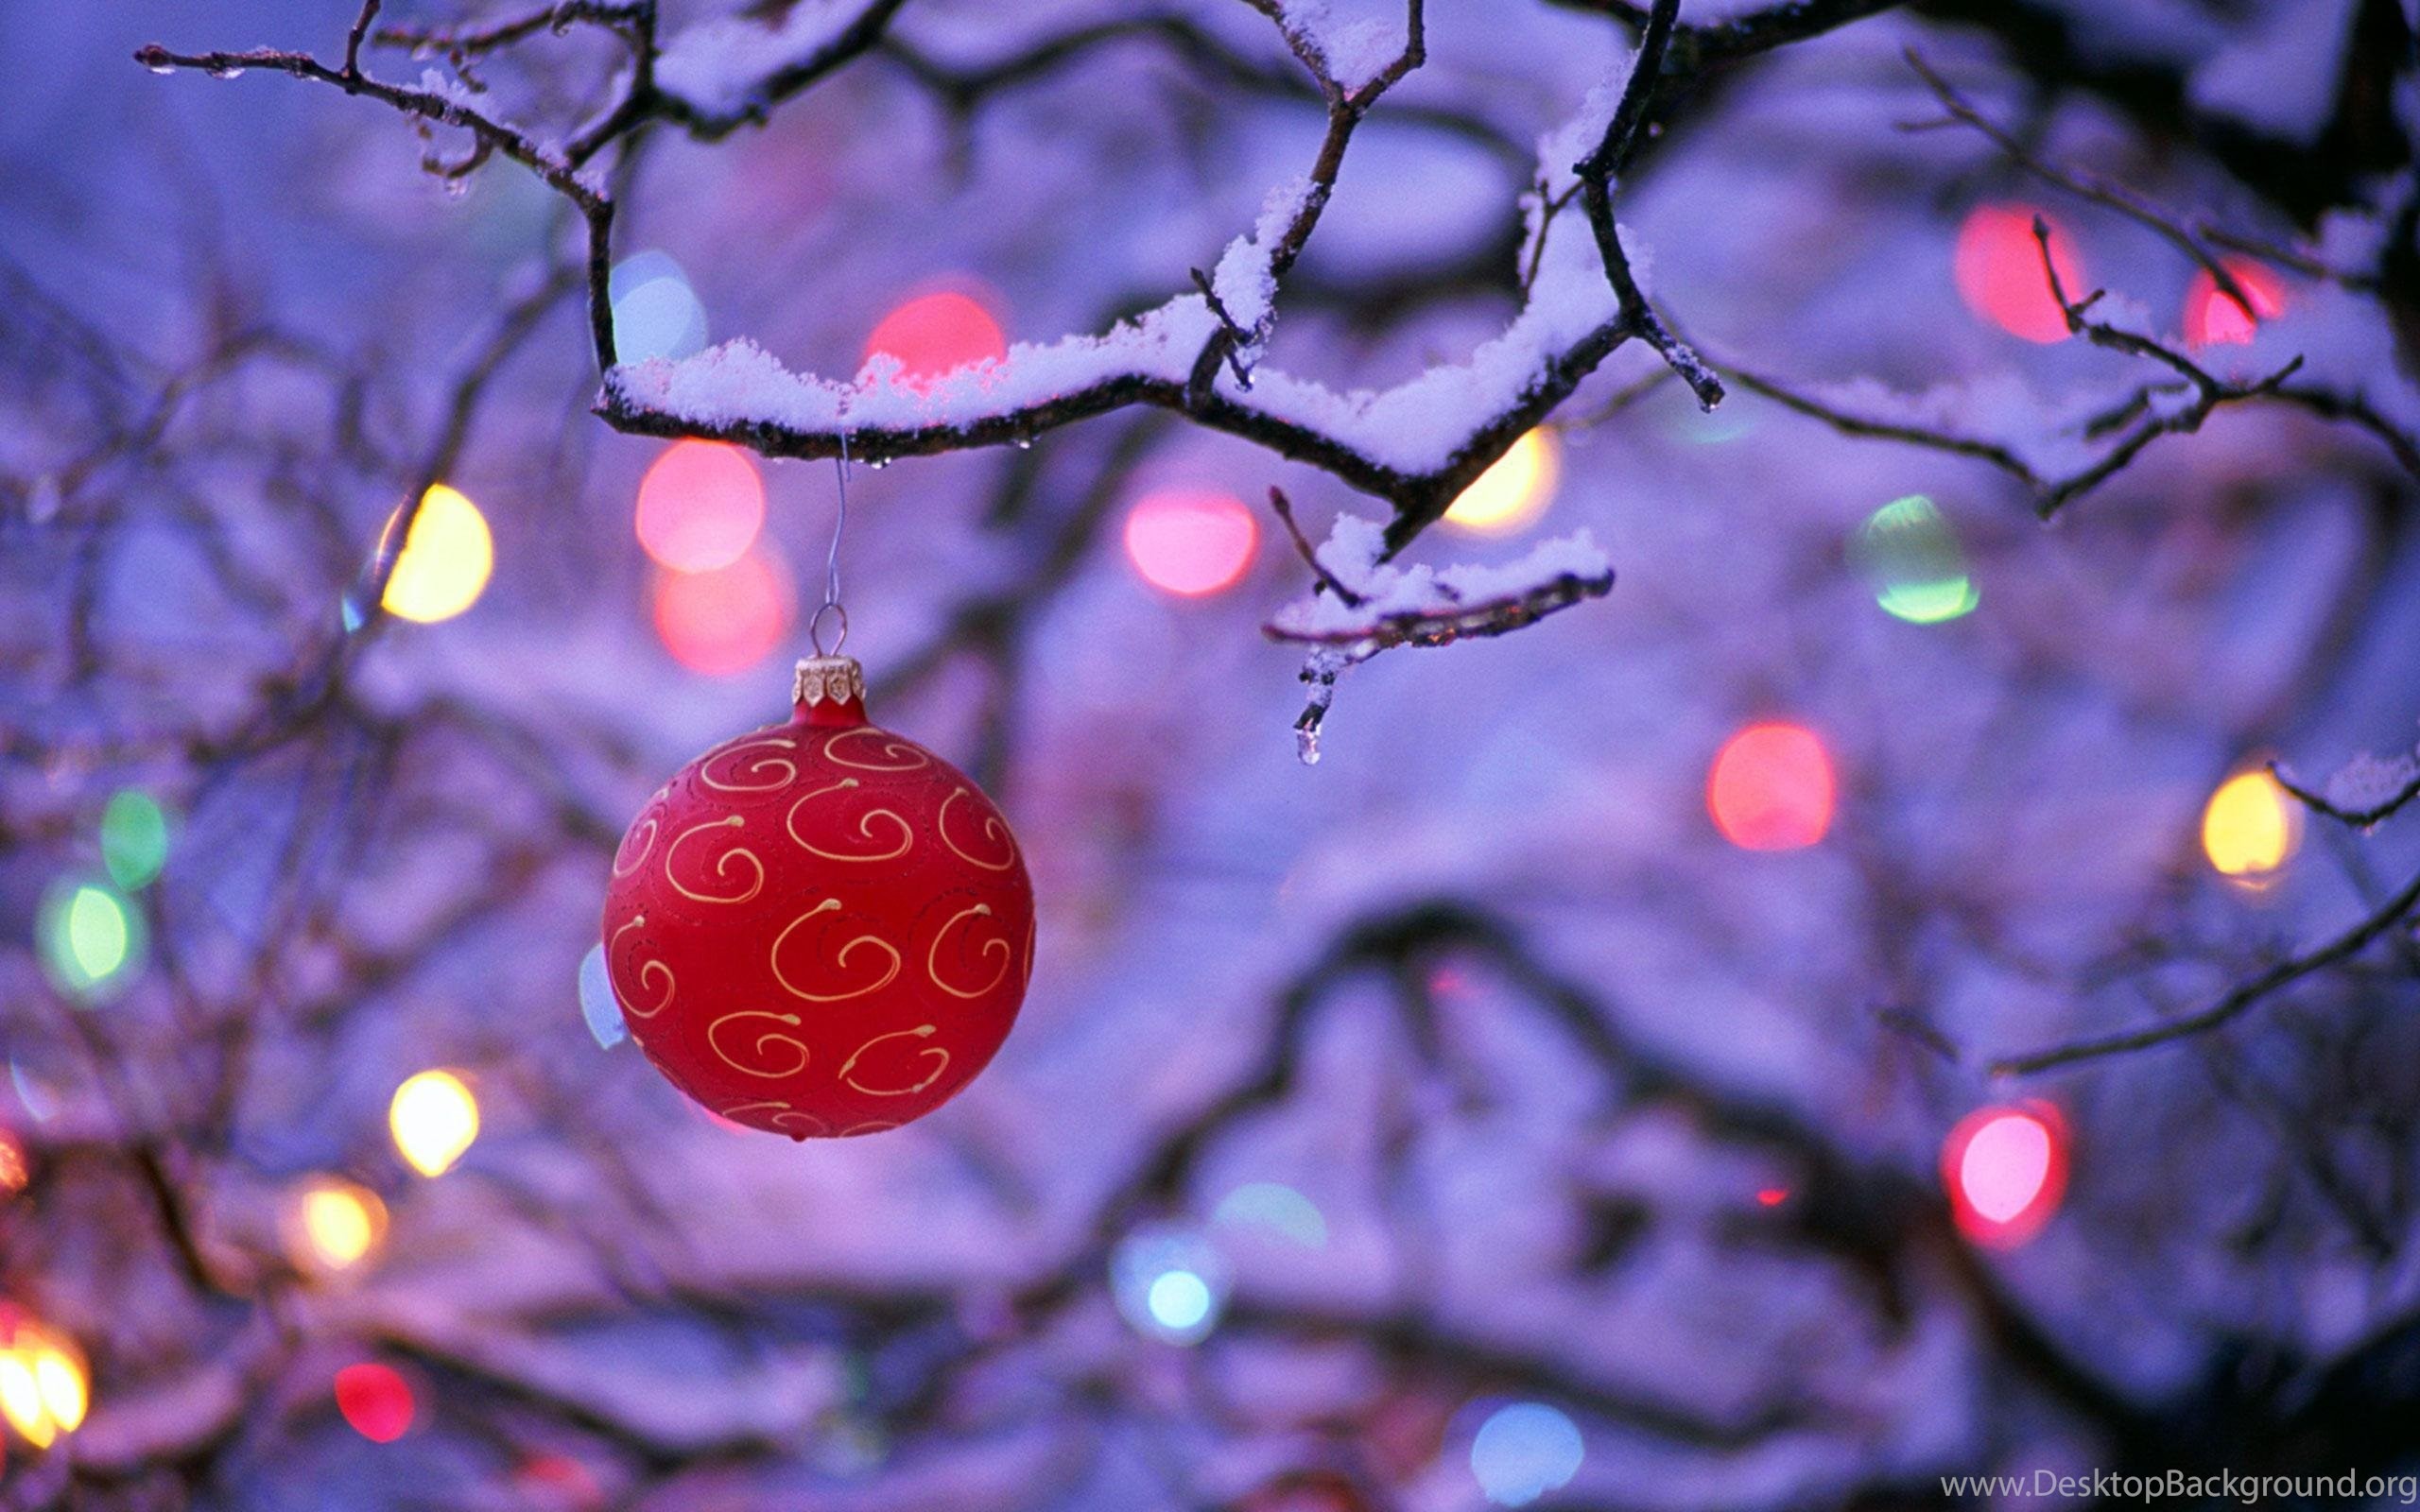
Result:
[[1365, 604]]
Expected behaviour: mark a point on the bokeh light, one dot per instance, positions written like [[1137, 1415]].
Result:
[[36, 1094], [332, 1224], [1910, 555], [556, 1481], [1272, 1208], [700, 506], [134, 838], [936, 333], [727, 620], [16, 1167], [44, 1390], [1772, 788], [1190, 543], [1514, 490], [2251, 827], [2005, 1170], [597, 1003], [1998, 267], [375, 1400], [2213, 319], [92, 939], [446, 559], [434, 1119], [656, 314], [1169, 1283], [1525, 1450]]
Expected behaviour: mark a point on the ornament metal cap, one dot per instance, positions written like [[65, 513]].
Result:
[[836, 678]]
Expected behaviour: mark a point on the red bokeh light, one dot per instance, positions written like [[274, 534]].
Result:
[[1772, 1197], [2214, 319], [936, 333], [727, 620], [1999, 272], [2005, 1169], [375, 1400], [1772, 788], [1190, 543], [700, 506]]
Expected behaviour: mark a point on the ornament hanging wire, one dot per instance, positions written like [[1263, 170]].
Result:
[[831, 604]]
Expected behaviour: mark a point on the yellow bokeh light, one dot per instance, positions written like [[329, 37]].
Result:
[[1513, 491], [61, 1381], [434, 1118], [445, 561], [2251, 825], [20, 1400], [43, 1391], [332, 1224]]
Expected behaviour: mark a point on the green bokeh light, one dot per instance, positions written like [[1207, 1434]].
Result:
[[1909, 554], [134, 838], [92, 940]]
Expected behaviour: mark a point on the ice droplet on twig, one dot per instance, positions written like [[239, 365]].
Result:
[[1306, 745]]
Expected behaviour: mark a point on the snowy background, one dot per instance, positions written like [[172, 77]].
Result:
[[1520, 1137]]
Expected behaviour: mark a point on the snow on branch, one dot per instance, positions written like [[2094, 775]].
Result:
[[2363, 792], [718, 75], [1364, 605], [1417, 444]]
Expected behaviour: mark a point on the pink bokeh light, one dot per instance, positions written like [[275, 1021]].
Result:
[[2005, 1169], [727, 620], [2213, 319], [936, 333], [700, 506], [375, 1402], [1772, 788], [1191, 544], [2000, 272]]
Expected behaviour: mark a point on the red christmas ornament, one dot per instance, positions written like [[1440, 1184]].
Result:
[[820, 928]]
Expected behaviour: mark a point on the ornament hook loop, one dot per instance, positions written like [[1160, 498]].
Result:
[[814, 628]]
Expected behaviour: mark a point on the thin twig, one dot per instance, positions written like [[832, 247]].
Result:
[[2235, 1003]]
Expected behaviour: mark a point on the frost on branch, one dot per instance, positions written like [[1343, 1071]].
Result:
[[1365, 604]]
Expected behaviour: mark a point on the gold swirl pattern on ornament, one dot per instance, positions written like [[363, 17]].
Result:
[[922, 1031], [809, 1124], [768, 1037], [789, 768], [993, 830], [840, 959], [892, 747], [865, 828], [648, 970], [1000, 943], [723, 864], [652, 828], [872, 1126], [1032, 926]]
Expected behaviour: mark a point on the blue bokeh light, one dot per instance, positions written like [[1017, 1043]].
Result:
[[1169, 1283], [656, 314], [597, 1003], [1524, 1450]]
